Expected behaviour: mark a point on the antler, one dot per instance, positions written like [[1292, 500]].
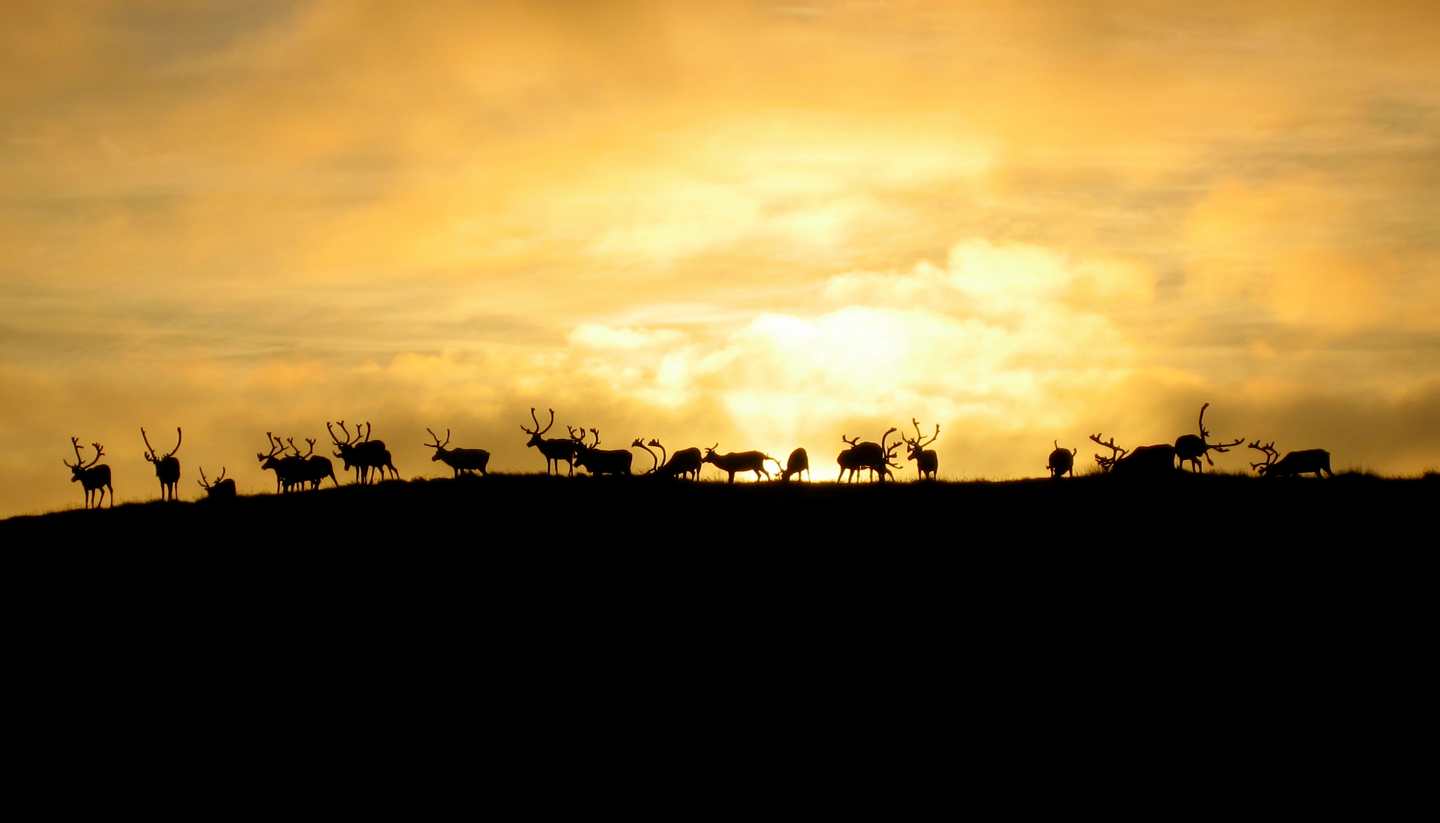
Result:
[[367, 431], [664, 455], [75, 442], [596, 444], [151, 456], [204, 481], [311, 441], [437, 444], [179, 436], [854, 442], [99, 453], [337, 440], [886, 435], [536, 421], [349, 441], [572, 430], [1116, 453], [1225, 447], [296, 448], [641, 444], [1203, 434], [1269, 451], [918, 436]]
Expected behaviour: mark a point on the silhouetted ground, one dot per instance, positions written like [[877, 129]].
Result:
[[1107, 629]]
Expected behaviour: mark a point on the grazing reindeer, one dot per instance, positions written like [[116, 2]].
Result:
[[288, 470], [732, 462], [1190, 447], [877, 457], [461, 460], [926, 461], [221, 489], [314, 468], [1062, 462], [600, 461], [1148, 461], [799, 462], [684, 463], [92, 478], [1293, 463], [167, 468], [637, 443], [557, 450]]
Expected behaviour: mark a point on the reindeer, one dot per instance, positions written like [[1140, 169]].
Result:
[[1062, 462], [361, 453], [461, 460], [167, 468], [1293, 463], [927, 462], [1189, 447], [221, 489], [314, 468], [799, 462], [288, 470], [684, 463], [600, 461], [877, 457], [1149, 461], [732, 462], [557, 450], [92, 478]]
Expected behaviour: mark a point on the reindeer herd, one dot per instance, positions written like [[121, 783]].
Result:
[[371, 461]]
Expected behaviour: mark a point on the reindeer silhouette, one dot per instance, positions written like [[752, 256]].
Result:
[[289, 470], [798, 462], [926, 461], [732, 462], [361, 453], [221, 489], [600, 461], [684, 463], [93, 478], [460, 460], [314, 468], [877, 457], [1148, 461], [557, 450], [1062, 462], [1190, 447], [167, 468], [1304, 461]]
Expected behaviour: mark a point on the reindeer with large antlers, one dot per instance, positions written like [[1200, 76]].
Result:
[[167, 468], [600, 461], [460, 460], [288, 470], [684, 463], [1304, 461], [1190, 447], [556, 450], [314, 468], [1149, 461], [926, 460], [732, 462], [361, 453], [876, 457], [91, 476], [221, 489]]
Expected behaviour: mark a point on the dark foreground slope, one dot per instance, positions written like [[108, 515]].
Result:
[[1126, 628]]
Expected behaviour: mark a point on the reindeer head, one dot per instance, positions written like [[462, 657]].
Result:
[[710, 454], [1271, 455], [77, 471], [1116, 453], [537, 434], [440, 450]]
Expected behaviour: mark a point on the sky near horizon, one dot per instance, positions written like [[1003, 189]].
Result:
[[765, 224]]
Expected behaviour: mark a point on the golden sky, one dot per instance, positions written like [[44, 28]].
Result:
[[759, 223]]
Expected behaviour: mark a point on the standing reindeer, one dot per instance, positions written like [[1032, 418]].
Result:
[[361, 453], [92, 477], [167, 468], [927, 462], [877, 457], [1062, 462], [314, 468], [557, 450], [221, 489], [684, 463], [732, 462], [600, 461], [1190, 447], [1293, 463], [798, 462], [461, 460]]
